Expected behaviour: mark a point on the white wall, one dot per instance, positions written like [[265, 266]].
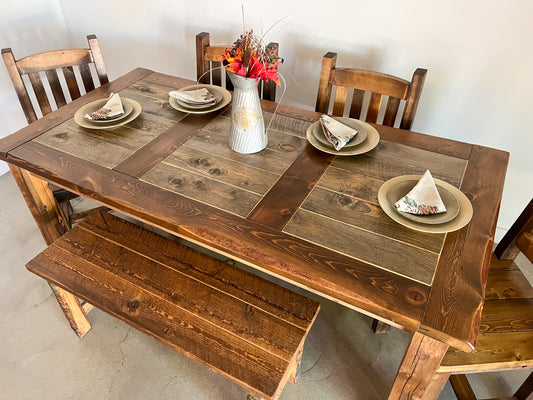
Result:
[[478, 54], [28, 27]]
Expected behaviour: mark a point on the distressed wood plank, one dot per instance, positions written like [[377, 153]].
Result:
[[389, 160], [222, 169], [507, 284], [368, 216], [184, 332], [164, 144], [240, 318], [279, 205], [454, 308], [510, 315], [202, 188], [504, 350], [67, 138], [284, 304], [214, 139], [409, 261]]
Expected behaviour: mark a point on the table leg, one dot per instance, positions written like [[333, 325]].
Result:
[[417, 370], [45, 211]]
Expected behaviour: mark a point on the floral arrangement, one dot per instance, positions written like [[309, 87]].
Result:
[[250, 59]]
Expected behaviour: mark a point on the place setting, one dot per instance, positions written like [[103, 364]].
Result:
[[107, 113], [342, 136], [425, 204], [199, 98]]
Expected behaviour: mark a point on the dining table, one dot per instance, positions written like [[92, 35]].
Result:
[[310, 218]]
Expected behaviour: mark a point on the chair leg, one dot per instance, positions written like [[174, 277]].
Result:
[[462, 388], [525, 392], [380, 327]]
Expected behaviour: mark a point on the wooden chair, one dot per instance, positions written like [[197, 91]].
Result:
[[47, 65], [209, 67], [378, 84], [505, 339], [49, 68]]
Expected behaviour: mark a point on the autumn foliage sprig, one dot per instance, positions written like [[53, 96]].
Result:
[[250, 59]]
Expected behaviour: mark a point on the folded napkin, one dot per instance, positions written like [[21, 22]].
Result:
[[423, 199], [336, 132], [198, 96], [113, 108]]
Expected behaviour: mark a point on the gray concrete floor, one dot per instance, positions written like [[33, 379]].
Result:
[[41, 357]]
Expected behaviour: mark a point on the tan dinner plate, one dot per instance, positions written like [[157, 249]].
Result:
[[359, 138], [222, 95], [369, 142], [131, 108], [456, 217]]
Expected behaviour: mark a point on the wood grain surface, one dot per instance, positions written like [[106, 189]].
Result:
[[276, 210], [202, 307]]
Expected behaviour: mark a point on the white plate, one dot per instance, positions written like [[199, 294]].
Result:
[[371, 140], [129, 104], [388, 195], [222, 95]]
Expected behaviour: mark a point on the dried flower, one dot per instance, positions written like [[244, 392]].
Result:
[[249, 58]]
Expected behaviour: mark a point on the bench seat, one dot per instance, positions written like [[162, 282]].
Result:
[[244, 327]]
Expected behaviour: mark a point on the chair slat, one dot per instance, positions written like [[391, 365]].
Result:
[[216, 73], [373, 107], [40, 93], [70, 78], [377, 83], [357, 103], [55, 85], [391, 111], [340, 101], [208, 58], [87, 77]]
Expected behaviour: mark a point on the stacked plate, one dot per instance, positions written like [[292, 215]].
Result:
[[132, 109], [221, 98], [458, 207], [366, 139]]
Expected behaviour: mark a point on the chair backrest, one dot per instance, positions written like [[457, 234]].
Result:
[[49, 66], [378, 84], [518, 238], [209, 68]]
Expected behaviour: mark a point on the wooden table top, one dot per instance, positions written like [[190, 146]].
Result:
[[307, 217]]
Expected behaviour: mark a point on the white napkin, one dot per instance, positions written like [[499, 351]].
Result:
[[198, 96], [336, 132], [423, 199], [113, 108]]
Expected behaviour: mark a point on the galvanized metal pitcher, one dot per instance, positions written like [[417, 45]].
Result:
[[248, 133]]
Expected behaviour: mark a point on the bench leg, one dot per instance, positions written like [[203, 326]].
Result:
[[418, 367], [295, 369], [52, 225], [251, 396]]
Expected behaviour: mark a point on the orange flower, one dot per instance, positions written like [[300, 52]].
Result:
[[250, 59]]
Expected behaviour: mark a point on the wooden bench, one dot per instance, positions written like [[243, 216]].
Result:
[[244, 327]]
